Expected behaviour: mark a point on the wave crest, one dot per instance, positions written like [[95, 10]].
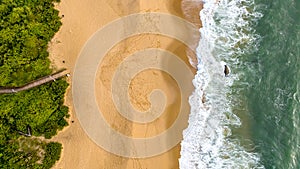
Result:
[[226, 34]]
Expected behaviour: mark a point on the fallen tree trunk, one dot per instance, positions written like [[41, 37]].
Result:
[[35, 83]]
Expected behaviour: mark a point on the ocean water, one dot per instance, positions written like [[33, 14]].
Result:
[[250, 119]]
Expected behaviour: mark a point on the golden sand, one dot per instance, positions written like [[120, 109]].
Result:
[[80, 20]]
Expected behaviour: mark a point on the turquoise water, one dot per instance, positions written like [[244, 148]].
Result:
[[252, 118]]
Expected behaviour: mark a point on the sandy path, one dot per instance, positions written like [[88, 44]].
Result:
[[80, 20]]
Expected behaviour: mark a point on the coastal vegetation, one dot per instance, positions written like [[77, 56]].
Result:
[[26, 28]]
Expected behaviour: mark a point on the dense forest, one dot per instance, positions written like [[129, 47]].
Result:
[[26, 28]]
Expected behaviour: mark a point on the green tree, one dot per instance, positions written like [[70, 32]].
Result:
[[26, 27]]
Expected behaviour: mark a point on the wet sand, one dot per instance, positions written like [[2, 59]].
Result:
[[80, 20]]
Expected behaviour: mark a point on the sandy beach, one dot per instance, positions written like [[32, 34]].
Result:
[[81, 19]]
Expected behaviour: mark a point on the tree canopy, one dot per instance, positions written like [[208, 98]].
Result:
[[26, 28]]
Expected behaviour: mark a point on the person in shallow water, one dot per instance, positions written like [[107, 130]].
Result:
[[226, 70]]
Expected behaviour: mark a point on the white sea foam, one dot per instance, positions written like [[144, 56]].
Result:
[[226, 34]]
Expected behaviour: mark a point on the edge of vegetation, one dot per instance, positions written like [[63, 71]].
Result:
[[26, 28]]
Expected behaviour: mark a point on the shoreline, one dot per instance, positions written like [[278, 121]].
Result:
[[78, 150]]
